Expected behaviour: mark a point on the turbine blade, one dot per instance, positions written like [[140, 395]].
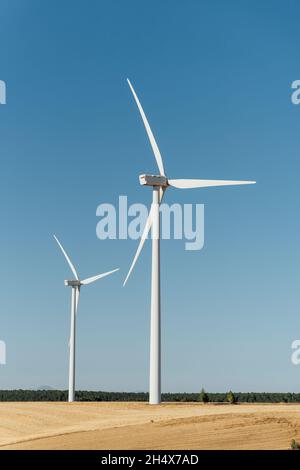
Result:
[[149, 132], [142, 241], [184, 184], [67, 258], [161, 194], [89, 280], [77, 298]]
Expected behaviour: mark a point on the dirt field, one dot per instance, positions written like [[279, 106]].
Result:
[[141, 426]]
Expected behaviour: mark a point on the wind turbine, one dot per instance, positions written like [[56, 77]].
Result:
[[159, 184], [76, 285]]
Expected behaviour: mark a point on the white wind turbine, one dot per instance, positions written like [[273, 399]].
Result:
[[159, 184], [76, 285]]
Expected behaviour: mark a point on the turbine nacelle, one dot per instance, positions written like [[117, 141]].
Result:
[[154, 180], [72, 283]]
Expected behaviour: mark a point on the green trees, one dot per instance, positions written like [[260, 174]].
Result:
[[203, 396], [231, 398], [295, 445]]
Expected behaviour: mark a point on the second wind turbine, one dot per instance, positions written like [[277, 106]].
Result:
[[76, 285]]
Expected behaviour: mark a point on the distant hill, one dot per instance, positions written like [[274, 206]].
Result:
[[44, 387]]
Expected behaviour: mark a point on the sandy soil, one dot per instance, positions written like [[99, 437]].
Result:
[[141, 426]]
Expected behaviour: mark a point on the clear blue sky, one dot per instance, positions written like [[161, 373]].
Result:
[[214, 78]]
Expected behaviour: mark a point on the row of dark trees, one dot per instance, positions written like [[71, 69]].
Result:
[[62, 395]]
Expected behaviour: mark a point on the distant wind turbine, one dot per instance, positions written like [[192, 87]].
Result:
[[76, 285], [159, 184]]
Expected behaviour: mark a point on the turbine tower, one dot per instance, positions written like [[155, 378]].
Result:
[[159, 185], [76, 285]]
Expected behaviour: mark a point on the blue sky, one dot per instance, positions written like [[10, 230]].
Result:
[[214, 79]]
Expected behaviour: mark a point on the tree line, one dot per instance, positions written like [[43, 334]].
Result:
[[62, 395]]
